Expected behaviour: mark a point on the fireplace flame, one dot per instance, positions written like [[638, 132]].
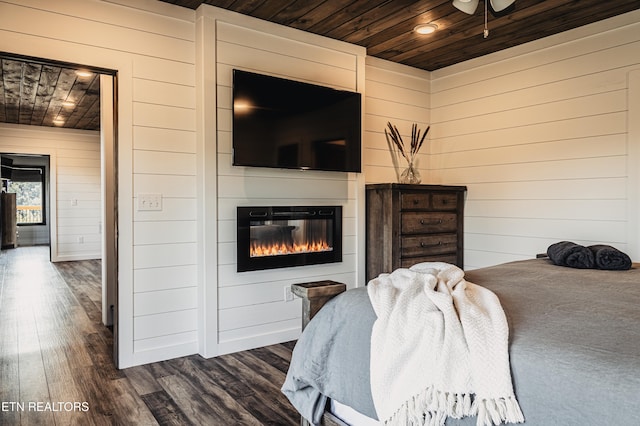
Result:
[[277, 249]]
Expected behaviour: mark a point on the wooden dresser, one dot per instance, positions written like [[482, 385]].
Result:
[[9, 227], [408, 224]]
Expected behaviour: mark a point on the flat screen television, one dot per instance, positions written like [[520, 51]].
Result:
[[289, 124]]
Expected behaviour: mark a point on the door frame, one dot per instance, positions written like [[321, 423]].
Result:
[[109, 190]]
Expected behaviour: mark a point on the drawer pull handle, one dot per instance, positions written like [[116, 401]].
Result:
[[423, 222], [423, 244], [415, 201]]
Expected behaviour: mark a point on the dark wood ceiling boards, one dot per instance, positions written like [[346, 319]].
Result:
[[384, 27], [33, 92], [41, 94]]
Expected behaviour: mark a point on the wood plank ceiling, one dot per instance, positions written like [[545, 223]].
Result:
[[385, 27], [42, 94], [33, 93]]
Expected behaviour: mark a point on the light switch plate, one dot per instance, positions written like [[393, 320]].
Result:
[[149, 202]]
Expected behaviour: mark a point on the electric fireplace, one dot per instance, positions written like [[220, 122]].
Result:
[[283, 236]]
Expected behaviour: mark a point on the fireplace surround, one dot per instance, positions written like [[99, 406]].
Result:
[[284, 236]]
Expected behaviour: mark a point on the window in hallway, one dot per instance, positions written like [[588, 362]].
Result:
[[28, 185]]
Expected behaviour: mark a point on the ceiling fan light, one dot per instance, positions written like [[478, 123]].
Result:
[[467, 6], [499, 5]]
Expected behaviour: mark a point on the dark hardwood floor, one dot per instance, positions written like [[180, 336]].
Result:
[[56, 363]]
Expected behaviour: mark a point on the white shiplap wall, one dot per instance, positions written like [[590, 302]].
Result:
[[164, 162], [74, 176], [251, 309], [539, 134], [401, 95], [79, 199], [152, 47]]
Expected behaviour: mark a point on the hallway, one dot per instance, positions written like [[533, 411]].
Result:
[[55, 354]]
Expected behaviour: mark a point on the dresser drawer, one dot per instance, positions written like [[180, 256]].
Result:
[[444, 201], [427, 222], [414, 201], [428, 244], [435, 201]]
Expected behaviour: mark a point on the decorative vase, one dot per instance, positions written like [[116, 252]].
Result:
[[410, 174]]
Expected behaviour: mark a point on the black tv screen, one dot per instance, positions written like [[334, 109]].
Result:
[[294, 125]]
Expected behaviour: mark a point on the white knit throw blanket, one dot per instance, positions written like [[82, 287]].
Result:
[[437, 341]]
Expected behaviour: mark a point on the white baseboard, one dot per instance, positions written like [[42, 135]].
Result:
[[259, 341], [72, 257]]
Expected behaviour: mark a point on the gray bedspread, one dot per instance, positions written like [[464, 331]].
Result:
[[574, 346]]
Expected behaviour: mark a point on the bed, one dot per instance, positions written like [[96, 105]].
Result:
[[574, 347]]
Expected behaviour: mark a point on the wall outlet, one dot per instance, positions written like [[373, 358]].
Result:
[[288, 295], [81, 239], [149, 202]]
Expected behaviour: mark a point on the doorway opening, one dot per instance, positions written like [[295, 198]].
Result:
[[24, 202], [73, 107]]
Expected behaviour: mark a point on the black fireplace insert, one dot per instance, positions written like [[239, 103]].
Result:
[[283, 236]]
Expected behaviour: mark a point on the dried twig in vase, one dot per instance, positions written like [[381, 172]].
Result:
[[416, 141]]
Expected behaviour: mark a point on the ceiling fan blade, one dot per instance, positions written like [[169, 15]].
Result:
[[467, 6], [499, 5]]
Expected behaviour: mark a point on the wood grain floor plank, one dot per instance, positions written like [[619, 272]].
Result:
[[101, 357], [283, 350], [165, 410], [246, 392], [267, 371], [9, 372], [142, 380], [32, 378], [127, 406], [225, 377], [190, 400], [276, 402], [95, 393], [224, 405], [73, 411], [271, 357]]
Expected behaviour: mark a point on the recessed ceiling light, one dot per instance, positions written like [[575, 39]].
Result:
[[68, 104], [83, 73], [58, 121], [425, 28]]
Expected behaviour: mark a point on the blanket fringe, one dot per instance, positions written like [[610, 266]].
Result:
[[432, 407], [496, 411]]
